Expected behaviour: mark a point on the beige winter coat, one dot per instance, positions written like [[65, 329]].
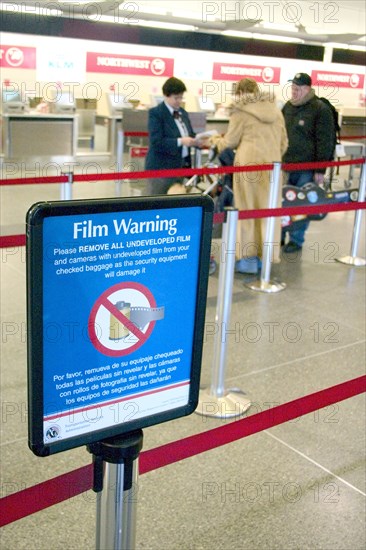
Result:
[[258, 135]]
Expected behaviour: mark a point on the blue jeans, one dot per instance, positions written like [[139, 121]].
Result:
[[298, 179]]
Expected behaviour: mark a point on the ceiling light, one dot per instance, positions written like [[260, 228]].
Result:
[[151, 11], [336, 45], [238, 34], [279, 27], [188, 15], [165, 25], [149, 24], [357, 48], [276, 38]]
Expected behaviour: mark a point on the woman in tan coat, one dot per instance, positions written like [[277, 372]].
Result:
[[258, 135]]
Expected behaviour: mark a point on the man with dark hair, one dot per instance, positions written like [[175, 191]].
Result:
[[310, 127], [170, 136]]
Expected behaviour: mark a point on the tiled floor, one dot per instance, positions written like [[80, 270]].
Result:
[[298, 486]]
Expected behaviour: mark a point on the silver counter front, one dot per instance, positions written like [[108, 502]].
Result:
[[28, 135]]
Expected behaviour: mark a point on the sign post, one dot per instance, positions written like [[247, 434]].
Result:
[[115, 481]]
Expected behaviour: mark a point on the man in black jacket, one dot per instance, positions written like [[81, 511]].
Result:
[[310, 130], [170, 136]]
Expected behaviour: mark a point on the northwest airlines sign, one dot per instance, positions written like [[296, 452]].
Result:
[[340, 80], [231, 71], [129, 64]]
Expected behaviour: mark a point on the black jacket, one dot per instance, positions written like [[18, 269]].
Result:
[[163, 152], [310, 130]]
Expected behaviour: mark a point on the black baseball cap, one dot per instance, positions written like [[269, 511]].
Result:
[[301, 79]]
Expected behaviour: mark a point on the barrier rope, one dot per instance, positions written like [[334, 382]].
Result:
[[53, 491], [180, 172], [19, 240], [146, 134], [8, 241], [43, 495]]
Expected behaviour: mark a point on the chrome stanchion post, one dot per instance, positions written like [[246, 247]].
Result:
[[66, 188], [119, 161], [264, 284], [353, 259], [115, 482], [216, 401]]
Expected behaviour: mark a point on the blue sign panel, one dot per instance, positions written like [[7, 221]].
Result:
[[116, 292]]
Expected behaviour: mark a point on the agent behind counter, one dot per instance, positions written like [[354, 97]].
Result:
[[170, 136]]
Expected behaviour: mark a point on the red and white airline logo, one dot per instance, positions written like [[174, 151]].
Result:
[[157, 66], [338, 80], [129, 64], [15, 57], [231, 71]]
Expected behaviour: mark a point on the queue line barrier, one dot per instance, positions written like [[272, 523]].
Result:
[[33, 499], [179, 172], [66, 180]]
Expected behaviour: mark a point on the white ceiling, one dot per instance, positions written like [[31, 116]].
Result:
[[314, 21]]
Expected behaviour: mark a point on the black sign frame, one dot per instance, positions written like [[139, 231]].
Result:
[[35, 257]]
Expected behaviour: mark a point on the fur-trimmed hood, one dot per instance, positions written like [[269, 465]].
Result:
[[262, 106]]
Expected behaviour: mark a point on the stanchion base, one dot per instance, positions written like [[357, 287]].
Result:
[[264, 286], [233, 403], [350, 260]]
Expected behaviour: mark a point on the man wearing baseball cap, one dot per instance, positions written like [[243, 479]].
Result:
[[310, 127]]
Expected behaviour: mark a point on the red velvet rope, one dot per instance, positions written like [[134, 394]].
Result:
[[352, 137], [181, 172], [53, 491], [20, 240], [146, 134]]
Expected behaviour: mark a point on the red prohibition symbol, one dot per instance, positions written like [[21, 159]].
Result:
[[105, 307]]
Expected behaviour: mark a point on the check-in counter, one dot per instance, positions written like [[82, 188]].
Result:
[[34, 135]]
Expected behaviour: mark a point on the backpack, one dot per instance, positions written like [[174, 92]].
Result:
[[337, 128]]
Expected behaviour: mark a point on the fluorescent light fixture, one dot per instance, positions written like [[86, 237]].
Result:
[[276, 38], [337, 45], [346, 46], [287, 27], [165, 25], [152, 11], [238, 34], [188, 15], [357, 48], [149, 24], [259, 36]]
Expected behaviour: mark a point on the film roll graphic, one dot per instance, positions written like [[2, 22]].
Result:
[[139, 316], [118, 330]]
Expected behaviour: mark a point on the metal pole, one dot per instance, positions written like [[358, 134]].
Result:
[[265, 284], [115, 481], [66, 188], [353, 259], [119, 160], [216, 401], [224, 297]]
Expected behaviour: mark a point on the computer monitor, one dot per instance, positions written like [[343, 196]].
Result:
[[11, 96], [12, 101], [64, 103], [156, 99], [118, 103]]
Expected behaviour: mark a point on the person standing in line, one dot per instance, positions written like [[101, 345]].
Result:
[[257, 133], [310, 127], [170, 136]]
